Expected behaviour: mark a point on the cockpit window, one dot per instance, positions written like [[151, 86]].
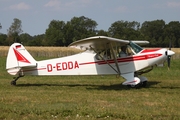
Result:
[[135, 47], [116, 51]]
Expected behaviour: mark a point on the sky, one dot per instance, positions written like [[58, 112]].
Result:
[[36, 15]]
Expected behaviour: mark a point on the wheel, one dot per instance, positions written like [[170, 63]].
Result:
[[13, 82], [132, 86], [144, 84]]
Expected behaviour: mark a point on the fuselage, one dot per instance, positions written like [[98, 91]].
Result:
[[86, 63]]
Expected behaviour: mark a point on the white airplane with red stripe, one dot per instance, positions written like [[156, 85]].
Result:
[[99, 56]]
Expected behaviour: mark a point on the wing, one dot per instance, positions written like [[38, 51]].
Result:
[[101, 42]]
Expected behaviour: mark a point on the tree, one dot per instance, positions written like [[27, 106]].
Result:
[[82, 27], [172, 32], [102, 33], [125, 30], [153, 31], [14, 31], [68, 33], [37, 40], [54, 35], [3, 39], [60, 33], [25, 38]]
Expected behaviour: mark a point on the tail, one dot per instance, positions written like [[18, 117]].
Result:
[[18, 58]]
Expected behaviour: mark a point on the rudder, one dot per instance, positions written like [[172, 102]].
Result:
[[17, 58]]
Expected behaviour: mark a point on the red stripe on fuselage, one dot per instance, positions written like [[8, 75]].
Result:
[[150, 50], [126, 59]]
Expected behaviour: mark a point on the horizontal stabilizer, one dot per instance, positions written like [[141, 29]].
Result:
[[13, 71]]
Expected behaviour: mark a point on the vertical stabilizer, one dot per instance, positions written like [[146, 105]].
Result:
[[18, 57]]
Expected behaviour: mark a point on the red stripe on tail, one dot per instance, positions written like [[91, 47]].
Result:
[[20, 57]]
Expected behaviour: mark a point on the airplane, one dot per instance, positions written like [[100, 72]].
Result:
[[100, 56]]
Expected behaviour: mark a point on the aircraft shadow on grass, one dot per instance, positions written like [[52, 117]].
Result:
[[122, 87], [92, 86]]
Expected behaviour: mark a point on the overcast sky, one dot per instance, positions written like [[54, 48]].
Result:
[[36, 15]]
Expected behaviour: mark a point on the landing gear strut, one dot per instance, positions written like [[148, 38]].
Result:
[[13, 82]]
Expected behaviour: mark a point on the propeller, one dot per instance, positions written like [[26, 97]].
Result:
[[169, 57], [169, 53], [168, 61]]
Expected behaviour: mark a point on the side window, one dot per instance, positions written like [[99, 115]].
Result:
[[107, 54], [125, 51], [104, 55], [129, 50]]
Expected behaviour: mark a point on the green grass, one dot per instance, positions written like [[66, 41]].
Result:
[[90, 97]]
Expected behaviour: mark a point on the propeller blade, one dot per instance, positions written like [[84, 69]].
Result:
[[168, 61], [169, 53]]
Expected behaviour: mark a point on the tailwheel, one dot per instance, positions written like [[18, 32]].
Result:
[[13, 82]]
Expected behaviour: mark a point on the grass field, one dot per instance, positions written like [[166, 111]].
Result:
[[90, 97]]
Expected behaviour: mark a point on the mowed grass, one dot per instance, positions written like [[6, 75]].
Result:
[[90, 97]]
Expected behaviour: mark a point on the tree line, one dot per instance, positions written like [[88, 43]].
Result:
[[60, 33]]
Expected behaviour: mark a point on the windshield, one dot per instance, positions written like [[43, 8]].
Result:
[[136, 48]]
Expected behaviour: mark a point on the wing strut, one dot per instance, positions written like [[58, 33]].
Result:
[[105, 60], [115, 59]]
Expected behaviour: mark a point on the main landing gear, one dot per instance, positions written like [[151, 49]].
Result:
[[142, 82], [13, 82]]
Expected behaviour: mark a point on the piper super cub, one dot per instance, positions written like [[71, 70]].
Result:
[[101, 56]]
